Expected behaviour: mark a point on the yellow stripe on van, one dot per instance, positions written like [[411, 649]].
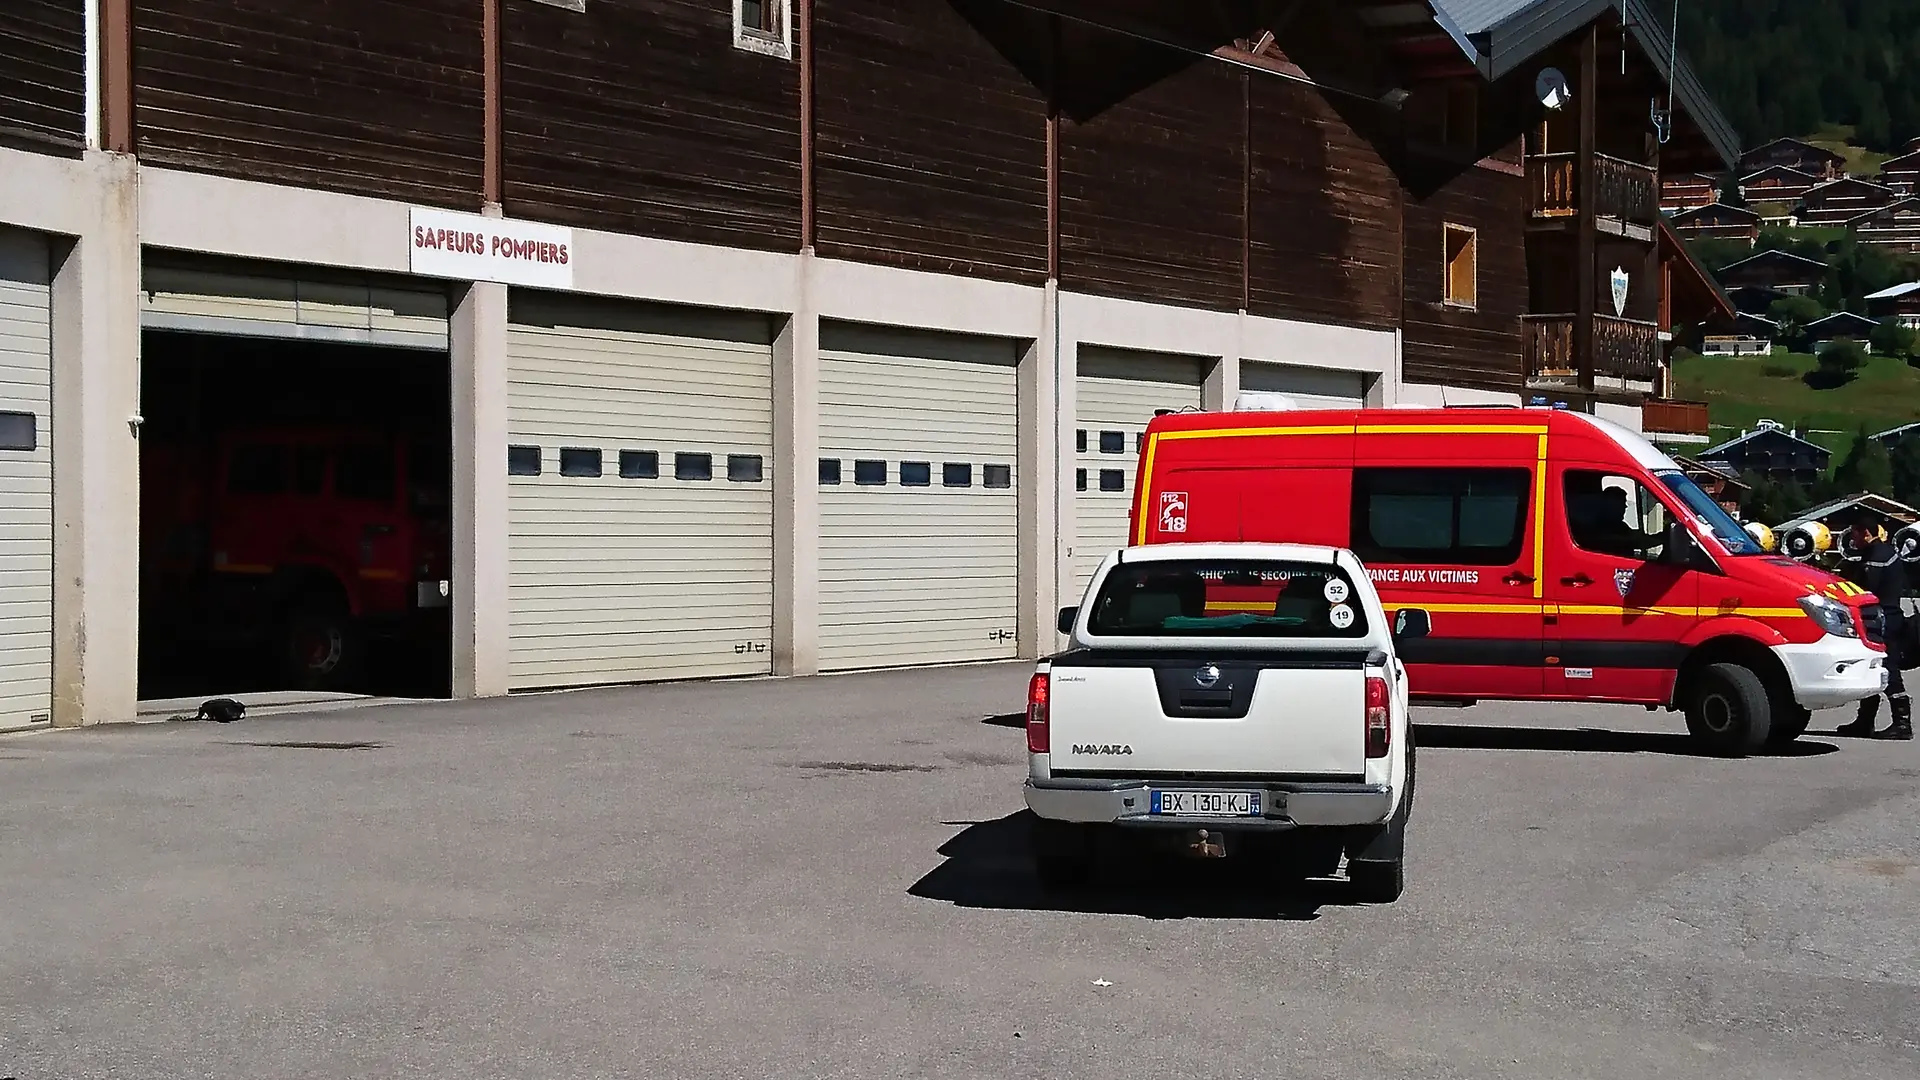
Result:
[[1451, 429], [1540, 517]]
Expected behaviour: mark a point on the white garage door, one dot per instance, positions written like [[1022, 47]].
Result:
[[340, 308], [26, 482], [1116, 394], [1309, 388], [919, 522], [640, 496]]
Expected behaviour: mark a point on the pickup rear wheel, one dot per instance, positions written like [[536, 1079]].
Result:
[[1377, 882], [1063, 853], [1728, 711]]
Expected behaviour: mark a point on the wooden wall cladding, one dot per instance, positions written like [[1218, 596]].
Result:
[[641, 116], [1152, 172], [42, 74], [930, 135], [373, 97], [1324, 209], [1480, 347]]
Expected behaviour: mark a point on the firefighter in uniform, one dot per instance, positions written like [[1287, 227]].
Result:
[[1880, 572]]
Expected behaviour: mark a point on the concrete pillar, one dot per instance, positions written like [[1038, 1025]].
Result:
[[1038, 472], [796, 480], [478, 340], [1221, 385], [1066, 520], [96, 454]]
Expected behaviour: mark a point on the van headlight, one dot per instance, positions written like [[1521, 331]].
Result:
[[1830, 615]]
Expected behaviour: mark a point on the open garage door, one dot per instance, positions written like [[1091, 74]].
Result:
[[294, 480], [640, 496], [1309, 388], [1116, 393], [919, 523], [26, 481]]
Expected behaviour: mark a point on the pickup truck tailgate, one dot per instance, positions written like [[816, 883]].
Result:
[[1211, 718]]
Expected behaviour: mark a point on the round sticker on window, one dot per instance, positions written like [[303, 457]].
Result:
[[1341, 616], [1336, 591]]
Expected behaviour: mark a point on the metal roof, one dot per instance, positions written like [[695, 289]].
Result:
[[1505, 34], [1897, 290], [1879, 504], [1766, 427]]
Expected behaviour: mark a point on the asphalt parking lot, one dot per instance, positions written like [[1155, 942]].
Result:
[[825, 878]]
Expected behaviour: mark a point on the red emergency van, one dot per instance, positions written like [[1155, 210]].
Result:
[[1559, 556]]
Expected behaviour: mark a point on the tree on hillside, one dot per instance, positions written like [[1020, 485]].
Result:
[[1840, 360], [1793, 313], [1730, 192], [1792, 242], [1718, 253], [1897, 341], [1905, 464], [1867, 467]]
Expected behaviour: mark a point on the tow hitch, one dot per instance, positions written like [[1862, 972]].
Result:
[[1207, 845]]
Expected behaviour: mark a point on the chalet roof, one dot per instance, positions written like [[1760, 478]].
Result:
[[1719, 469], [1908, 160], [1818, 188], [1840, 319], [1896, 432], [1896, 290], [1745, 316], [1908, 203], [1879, 504], [1696, 282], [1766, 427], [1717, 206], [1819, 151], [1774, 255], [1500, 36], [1788, 169]]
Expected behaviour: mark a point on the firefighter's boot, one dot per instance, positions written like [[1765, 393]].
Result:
[[1862, 725], [1902, 719]]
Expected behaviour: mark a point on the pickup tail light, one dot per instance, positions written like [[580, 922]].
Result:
[[1379, 718], [1037, 738]]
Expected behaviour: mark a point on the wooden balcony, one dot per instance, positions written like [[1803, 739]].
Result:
[[1624, 349], [1674, 417], [1623, 191]]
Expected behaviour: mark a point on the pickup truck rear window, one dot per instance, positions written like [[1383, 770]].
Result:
[[1222, 598]]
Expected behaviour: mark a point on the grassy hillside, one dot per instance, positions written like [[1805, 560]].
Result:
[[1839, 139], [1742, 390]]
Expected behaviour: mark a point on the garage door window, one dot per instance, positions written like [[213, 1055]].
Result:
[[956, 474], [1113, 480], [693, 466], [577, 461], [18, 431], [870, 473], [996, 476], [829, 470], [1113, 442], [523, 461], [744, 468], [640, 464], [916, 473]]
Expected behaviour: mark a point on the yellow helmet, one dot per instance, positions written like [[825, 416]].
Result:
[[1761, 535], [1806, 540]]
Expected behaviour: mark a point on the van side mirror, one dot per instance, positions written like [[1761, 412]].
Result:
[[1679, 547], [1410, 623], [1068, 616]]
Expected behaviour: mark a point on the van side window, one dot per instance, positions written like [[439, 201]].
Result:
[[1615, 515], [1449, 516]]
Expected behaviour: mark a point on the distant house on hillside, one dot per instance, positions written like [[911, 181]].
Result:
[[1774, 452], [1840, 324], [1815, 161], [1894, 436], [1776, 184], [1895, 225], [1902, 174], [1745, 334], [1774, 270], [1684, 191], [1900, 303], [1836, 202], [1718, 221]]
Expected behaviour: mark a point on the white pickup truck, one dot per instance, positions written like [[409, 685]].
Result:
[[1225, 700]]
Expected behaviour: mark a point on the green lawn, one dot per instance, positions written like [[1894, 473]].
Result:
[[1860, 160], [1742, 390]]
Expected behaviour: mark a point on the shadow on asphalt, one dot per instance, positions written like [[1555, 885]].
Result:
[[987, 866], [1584, 741], [1010, 719]]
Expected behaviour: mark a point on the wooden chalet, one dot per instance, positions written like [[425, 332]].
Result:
[[1895, 225], [1718, 221], [1900, 303], [1803, 157], [1779, 271], [1902, 173], [1742, 334], [1836, 202], [1840, 324], [1680, 192], [1772, 450], [1776, 184]]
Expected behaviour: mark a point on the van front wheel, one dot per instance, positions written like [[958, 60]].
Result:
[[1728, 711]]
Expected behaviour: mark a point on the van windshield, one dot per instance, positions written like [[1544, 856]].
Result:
[[1227, 598], [1724, 528]]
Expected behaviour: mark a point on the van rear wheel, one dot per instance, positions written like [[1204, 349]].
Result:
[[1728, 711]]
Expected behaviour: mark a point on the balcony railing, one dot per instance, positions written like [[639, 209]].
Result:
[[1625, 349], [1674, 417], [1622, 189]]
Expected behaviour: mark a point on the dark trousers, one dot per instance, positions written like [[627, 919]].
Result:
[[1896, 657]]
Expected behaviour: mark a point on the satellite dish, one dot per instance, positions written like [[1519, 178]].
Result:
[[1550, 86]]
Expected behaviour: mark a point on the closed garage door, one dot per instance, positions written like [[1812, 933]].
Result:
[[1117, 393], [26, 482], [919, 523], [640, 492], [1309, 388]]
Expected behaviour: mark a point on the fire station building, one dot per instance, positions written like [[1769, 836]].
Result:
[[765, 336]]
